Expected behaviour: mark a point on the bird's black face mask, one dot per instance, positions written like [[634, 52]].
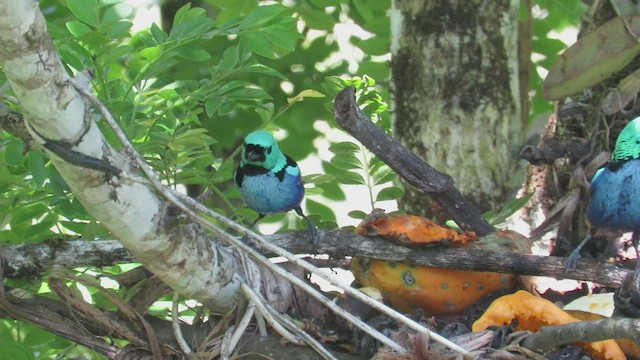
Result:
[[254, 153]]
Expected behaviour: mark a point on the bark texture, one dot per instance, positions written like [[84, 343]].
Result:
[[456, 90]]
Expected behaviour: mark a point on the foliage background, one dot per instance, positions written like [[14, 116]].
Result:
[[187, 93]]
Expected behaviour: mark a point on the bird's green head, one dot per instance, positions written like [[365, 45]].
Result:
[[261, 149], [628, 143]]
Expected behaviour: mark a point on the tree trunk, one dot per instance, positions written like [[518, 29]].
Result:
[[455, 78]]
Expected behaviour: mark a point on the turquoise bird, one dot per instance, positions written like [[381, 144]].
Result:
[[615, 189], [268, 180]]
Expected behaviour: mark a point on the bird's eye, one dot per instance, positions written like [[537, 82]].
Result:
[[269, 150]]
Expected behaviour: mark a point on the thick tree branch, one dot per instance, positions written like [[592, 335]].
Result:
[[31, 259], [408, 165]]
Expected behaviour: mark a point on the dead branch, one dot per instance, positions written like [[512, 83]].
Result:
[[407, 164], [549, 337], [31, 259]]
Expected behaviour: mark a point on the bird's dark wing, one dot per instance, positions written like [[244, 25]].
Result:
[[239, 175], [613, 165], [290, 163]]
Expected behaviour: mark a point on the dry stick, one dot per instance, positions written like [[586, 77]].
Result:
[[260, 305], [407, 164], [175, 325], [243, 324], [123, 307], [549, 337], [180, 200]]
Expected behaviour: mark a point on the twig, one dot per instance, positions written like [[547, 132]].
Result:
[[175, 325], [225, 350], [243, 324], [105, 319], [549, 337], [259, 304], [407, 164], [125, 308]]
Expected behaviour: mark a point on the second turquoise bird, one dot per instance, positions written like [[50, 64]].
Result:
[[269, 181], [615, 190]]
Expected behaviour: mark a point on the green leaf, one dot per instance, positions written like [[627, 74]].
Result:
[[193, 52], [390, 193], [357, 214], [76, 227], [118, 30], [594, 57], [36, 167], [42, 228], [374, 46], [318, 178], [346, 162], [362, 8], [78, 29], [349, 178], [508, 210], [258, 68], [158, 34], [85, 10], [345, 147], [7, 178], [116, 12], [229, 59], [258, 43], [313, 191], [190, 29], [265, 111], [211, 105], [262, 15], [27, 213], [317, 19], [12, 350], [305, 93], [186, 13], [14, 153]]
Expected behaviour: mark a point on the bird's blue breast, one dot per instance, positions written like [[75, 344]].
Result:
[[265, 193], [615, 197]]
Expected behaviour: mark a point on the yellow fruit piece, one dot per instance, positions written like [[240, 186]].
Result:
[[531, 312], [437, 291], [410, 229]]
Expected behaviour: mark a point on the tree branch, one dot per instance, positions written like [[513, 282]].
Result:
[[30, 259], [407, 164]]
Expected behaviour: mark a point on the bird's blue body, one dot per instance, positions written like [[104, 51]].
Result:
[[267, 192], [268, 180], [615, 196], [615, 190]]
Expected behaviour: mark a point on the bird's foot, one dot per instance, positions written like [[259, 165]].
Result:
[[570, 263], [313, 233]]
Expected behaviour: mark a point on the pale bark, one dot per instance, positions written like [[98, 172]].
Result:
[[181, 255], [456, 93]]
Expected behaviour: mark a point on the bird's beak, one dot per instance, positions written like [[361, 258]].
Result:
[[254, 155]]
